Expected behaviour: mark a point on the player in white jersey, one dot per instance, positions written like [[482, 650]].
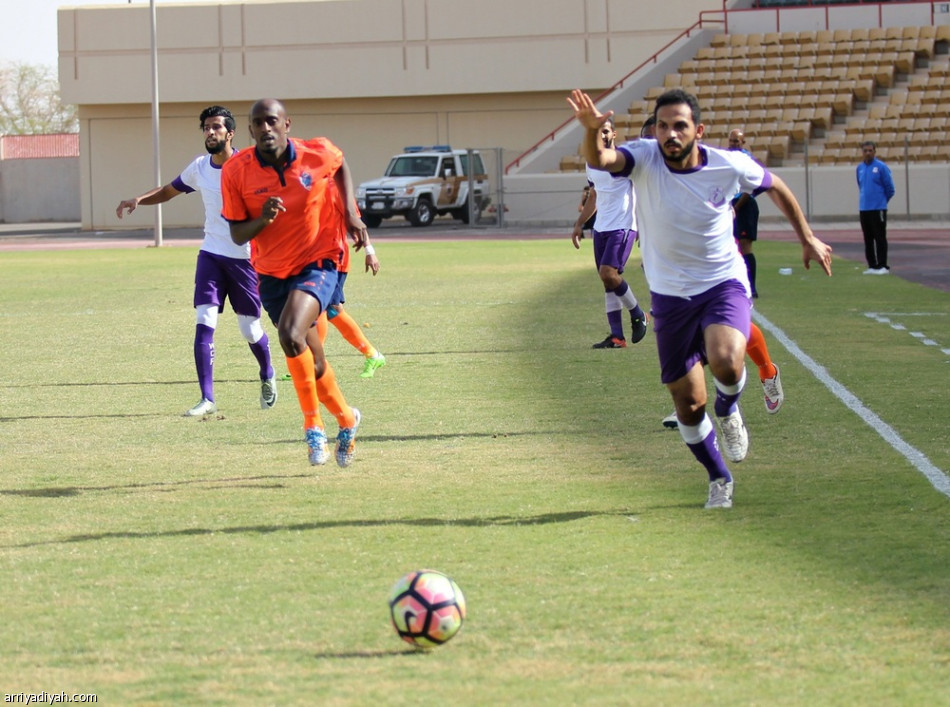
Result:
[[699, 289], [223, 270], [613, 203]]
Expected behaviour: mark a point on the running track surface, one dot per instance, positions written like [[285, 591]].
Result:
[[917, 252]]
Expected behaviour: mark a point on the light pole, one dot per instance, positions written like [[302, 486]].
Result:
[[155, 141]]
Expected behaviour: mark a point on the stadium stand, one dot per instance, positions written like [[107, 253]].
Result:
[[837, 88]]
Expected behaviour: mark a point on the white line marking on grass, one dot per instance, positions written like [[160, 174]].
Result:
[[897, 326], [918, 459]]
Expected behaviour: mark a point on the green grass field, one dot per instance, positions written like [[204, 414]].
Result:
[[152, 559]]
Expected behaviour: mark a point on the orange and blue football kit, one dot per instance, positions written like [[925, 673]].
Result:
[[293, 252]]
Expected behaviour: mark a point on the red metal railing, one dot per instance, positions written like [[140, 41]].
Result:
[[724, 21], [652, 60]]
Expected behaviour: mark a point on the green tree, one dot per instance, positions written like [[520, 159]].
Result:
[[30, 102]]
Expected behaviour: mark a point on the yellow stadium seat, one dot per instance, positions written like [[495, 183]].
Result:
[[823, 118], [893, 32], [885, 75], [905, 62], [778, 146], [924, 47], [843, 103]]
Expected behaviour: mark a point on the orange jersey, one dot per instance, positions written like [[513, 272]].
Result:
[[296, 237], [335, 225]]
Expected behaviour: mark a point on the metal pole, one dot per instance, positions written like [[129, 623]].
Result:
[[807, 186], [470, 200], [501, 187], [907, 172], [155, 143]]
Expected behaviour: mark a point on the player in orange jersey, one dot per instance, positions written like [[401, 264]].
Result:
[[335, 313], [275, 197]]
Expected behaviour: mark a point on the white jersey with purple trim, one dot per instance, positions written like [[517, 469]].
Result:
[[204, 176], [616, 201], [685, 217]]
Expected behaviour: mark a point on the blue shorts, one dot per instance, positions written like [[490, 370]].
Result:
[[317, 279], [679, 323], [338, 297], [613, 248], [218, 278]]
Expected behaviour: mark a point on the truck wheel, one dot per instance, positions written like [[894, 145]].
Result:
[[462, 214], [372, 221], [421, 214]]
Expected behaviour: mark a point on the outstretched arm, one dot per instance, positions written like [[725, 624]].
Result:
[[597, 156], [158, 195], [812, 247]]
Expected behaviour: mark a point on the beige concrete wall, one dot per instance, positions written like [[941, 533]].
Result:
[[116, 141], [376, 75], [44, 189], [373, 75], [832, 195]]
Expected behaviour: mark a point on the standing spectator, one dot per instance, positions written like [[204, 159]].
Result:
[[699, 292], [224, 270], [275, 197], [875, 189], [612, 203], [745, 228]]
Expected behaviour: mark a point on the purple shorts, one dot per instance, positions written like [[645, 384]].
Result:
[[613, 248], [218, 278], [317, 279], [679, 323]]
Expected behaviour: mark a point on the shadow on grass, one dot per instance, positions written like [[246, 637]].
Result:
[[349, 655], [66, 491], [124, 416], [490, 521]]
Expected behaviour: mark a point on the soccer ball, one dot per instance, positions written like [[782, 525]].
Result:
[[427, 608]]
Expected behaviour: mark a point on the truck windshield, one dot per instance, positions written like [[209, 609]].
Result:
[[412, 166]]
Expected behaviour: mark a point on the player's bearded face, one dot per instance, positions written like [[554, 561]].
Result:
[[676, 151], [216, 137], [213, 145], [676, 132]]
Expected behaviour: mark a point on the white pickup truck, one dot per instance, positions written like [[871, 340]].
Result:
[[425, 182]]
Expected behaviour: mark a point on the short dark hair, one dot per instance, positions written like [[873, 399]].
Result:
[[869, 142], [677, 96], [215, 111]]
